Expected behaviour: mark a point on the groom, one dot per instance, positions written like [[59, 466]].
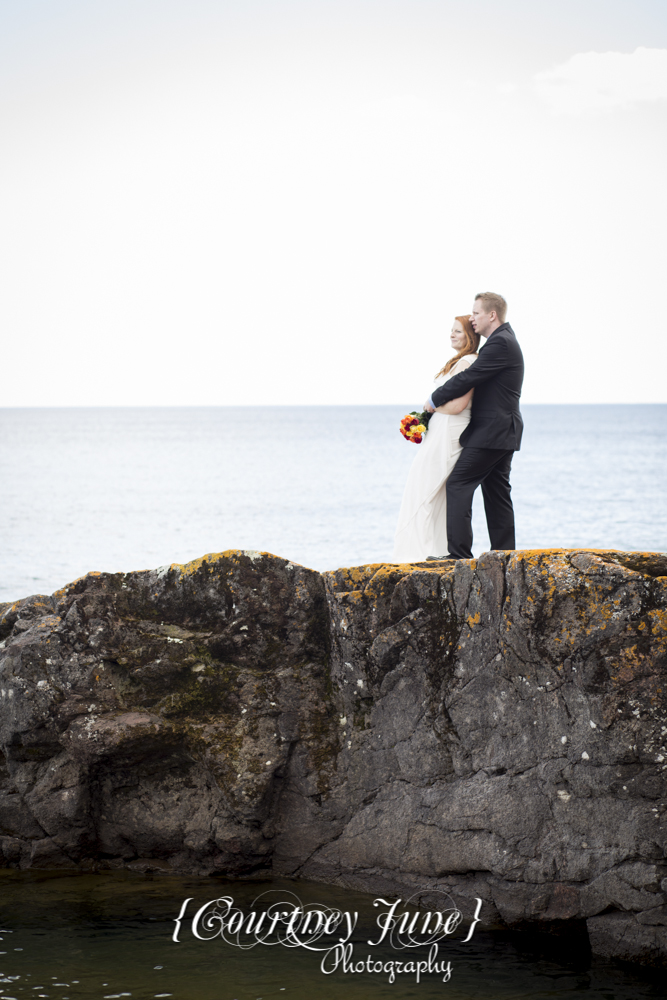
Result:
[[493, 434]]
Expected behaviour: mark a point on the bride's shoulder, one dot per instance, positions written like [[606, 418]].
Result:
[[465, 361]]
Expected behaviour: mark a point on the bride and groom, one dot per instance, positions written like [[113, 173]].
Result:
[[469, 442]]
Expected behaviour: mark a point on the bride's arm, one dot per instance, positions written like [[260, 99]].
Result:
[[455, 406]]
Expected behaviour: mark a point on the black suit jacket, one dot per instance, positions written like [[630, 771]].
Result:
[[497, 377]]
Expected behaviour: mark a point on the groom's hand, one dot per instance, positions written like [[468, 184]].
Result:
[[428, 406]]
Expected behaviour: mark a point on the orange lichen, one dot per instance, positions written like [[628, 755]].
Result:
[[658, 622], [386, 577]]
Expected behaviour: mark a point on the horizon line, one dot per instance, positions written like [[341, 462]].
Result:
[[266, 406]]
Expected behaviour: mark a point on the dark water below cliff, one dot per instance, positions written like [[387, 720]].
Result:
[[126, 489], [110, 935]]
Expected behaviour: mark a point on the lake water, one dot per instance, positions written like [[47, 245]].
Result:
[[109, 935], [124, 489]]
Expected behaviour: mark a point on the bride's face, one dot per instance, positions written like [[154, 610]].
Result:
[[457, 337]]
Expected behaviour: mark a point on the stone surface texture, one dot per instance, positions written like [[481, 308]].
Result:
[[496, 728]]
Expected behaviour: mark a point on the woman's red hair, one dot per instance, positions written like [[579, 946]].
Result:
[[471, 345]]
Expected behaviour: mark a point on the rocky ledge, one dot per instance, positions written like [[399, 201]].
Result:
[[497, 729]]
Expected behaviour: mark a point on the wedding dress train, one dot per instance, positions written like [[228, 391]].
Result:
[[422, 522]]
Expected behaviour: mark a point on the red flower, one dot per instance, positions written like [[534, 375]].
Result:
[[411, 428]]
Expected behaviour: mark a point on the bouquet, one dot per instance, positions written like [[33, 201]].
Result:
[[414, 426]]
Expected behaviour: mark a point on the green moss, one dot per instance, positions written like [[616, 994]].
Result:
[[206, 693], [220, 748], [362, 708], [273, 651], [317, 639], [126, 688], [323, 740], [441, 636]]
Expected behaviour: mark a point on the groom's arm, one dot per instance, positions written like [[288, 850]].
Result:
[[490, 361]]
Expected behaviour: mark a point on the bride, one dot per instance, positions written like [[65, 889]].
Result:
[[422, 522]]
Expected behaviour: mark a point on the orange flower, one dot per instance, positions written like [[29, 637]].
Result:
[[411, 428]]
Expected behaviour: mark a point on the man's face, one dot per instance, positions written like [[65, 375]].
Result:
[[481, 321]]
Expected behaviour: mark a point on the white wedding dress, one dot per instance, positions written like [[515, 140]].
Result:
[[422, 522]]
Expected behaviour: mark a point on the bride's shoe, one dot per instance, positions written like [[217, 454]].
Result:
[[446, 558]]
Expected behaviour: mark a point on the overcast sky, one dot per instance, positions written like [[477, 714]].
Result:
[[271, 201]]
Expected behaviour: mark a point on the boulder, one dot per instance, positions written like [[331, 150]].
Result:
[[494, 728]]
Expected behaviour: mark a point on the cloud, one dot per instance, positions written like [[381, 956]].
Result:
[[592, 81]]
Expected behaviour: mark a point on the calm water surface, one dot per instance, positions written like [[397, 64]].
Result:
[[124, 489], [110, 935]]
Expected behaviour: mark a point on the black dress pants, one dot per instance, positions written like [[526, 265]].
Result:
[[489, 467]]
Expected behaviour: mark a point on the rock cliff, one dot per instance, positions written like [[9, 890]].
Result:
[[496, 728]]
